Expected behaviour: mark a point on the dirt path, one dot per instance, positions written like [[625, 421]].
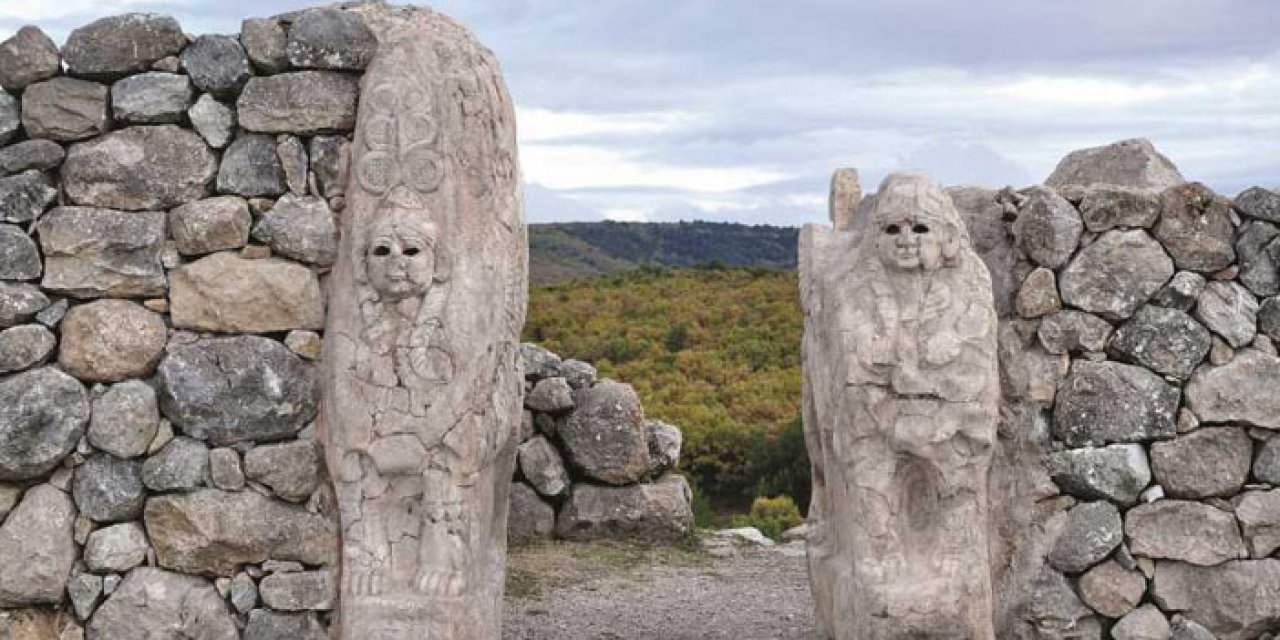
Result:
[[594, 592]]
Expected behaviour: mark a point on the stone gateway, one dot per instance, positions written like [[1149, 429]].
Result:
[[900, 407]]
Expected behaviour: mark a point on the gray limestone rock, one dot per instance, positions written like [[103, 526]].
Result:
[[1144, 623], [182, 465], [1116, 274], [530, 518], [657, 512], [1239, 391], [224, 292], [110, 340], [224, 469], [1182, 291], [139, 168], [1230, 311], [40, 155], [20, 302], [330, 157], [43, 414], [217, 64], [1052, 607], [251, 167], [1208, 462], [19, 258], [37, 550], [542, 467], [10, 117], [264, 41], [151, 98], [125, 419], [1127, 163], [228, 390], [1181, 628], [301, 103], [605, 437], [1117, 472], [1195, 227], [665, 441], [65, 109], [302, 228], [1266, 466], [291, 469], [1038, 295], [28, 56], [1071, 331], [1258, 252], [244, 592], [1106, 207], [214, 121], [293, 158], [1104, 402], [1164, 340], [298, 591], [1190, 532], [153, 603], [273, 625], [212, 224], [108, 489], [93, 252], [51, 316], [1092, 531], [117, 548], [579, 374], [550, 395], [1260, 203], [23, 197], [538, 362], [1259, 516], [1112, 590], [25, 346], [1233, 601], [1048, 228], [212, 532], [1269, 317], [330, 39], [85, 592], [984, 212], [114, 47]]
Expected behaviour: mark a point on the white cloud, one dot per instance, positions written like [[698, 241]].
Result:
[[540, 125], [584, 167]]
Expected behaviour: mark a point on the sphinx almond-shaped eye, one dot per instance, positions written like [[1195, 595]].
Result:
[[920, 228], [412, 251], [382, 250], [893, 229]]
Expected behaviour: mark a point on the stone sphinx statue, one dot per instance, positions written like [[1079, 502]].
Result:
[[422, 388], [900, 406]]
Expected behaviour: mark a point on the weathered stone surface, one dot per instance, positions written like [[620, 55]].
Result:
[[1052, 607], [298, 591], [1259, 516], [251, 167], [272, 625], [264, 41], [1260, 203], [1266, 466], [10, 117], [1258, 252], [665, 441], [110, 340], [1038, 295], [1208, 462], [107, 489], [182, 465], [244, 592], [1117, 472], [20, 302], [605, 436], [1112, 590], [1104, 402], [19, 258], [39, 154], [217, 64], [85, 592], [65, 109], [1164, 340], [579, 374], [1116, 274], [530, 518], [291, 469], [224, 292], [212, 224], [117, 548], [1144, 623], [211, 532], [1071, 331], [28, 56], [1230, 311], [37, 549], [227, 390], [125, 419], [302, 228], [25, 346], [542, 467], [1128, 163], [224, 469], [1190, 532], [42, 415], [1269, 318], [1180, 628], [153, 603], [1106, 207], [25, 196], [1092, 531], [151, 98], [1234, 601], [99, 252], [119, 45], [139, 168], [1048, 228], [293, 158], [550, 395], [302, 103], [329, 157], [330, 39], [214, 121], [1239, 391], [1195, 228], [647, 512], [538, 362]]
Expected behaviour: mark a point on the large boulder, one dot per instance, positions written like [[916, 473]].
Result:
[[19, 258], [153, 603], [108, 489], [1242, 390], [1112, 590], [1235, 600], [228, 390], [1191, 532], [213, 224], [1195, 227], [10, 118], [25, 346], [1048, 228], [1116, 274], [264, 41], [1105, 402], [605, 436], [665, 441], [224, 292], [114, 47], [23, 197], [1105, 207], [1260, 203], [43, 414], [37, 154], [302, 228], [541, 465], [291, 469], [330, 39], [37, 548], [65, 109], [181, 465], [91, 253], [212, 532], [1230, 311], [298, 591], [550, 395], [1118, 472], [658, 512], [110, 340], [28, 56], [139, 168], [117, 548], [274, 625], [1258, 252], [1092, 531], [151, 98], [1259, 516], [125, 419], [303, 103], [217, 64], [1164, 340], [1144, 623], [20, 302], [1127, 163], [251, 168], [214, 121], [1209, 462], [529, 518], [1070, 331]]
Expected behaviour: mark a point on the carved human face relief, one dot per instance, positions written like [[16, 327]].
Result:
[[909, 242], [400, 259]]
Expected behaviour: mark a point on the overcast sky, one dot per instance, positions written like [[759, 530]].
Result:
[[740, 109]]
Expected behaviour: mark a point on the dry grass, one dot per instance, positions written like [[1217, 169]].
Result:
[[534, 570]]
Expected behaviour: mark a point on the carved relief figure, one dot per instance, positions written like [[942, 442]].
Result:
[[900, 381]]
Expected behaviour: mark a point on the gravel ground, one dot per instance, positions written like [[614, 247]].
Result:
[[757, 594]]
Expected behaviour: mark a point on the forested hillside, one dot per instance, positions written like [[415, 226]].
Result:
[[715, 351]]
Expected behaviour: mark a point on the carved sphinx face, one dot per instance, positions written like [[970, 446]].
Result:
[[908, 242], [400, 259]]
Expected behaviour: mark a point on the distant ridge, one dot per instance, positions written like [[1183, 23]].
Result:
[[568, 250]]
